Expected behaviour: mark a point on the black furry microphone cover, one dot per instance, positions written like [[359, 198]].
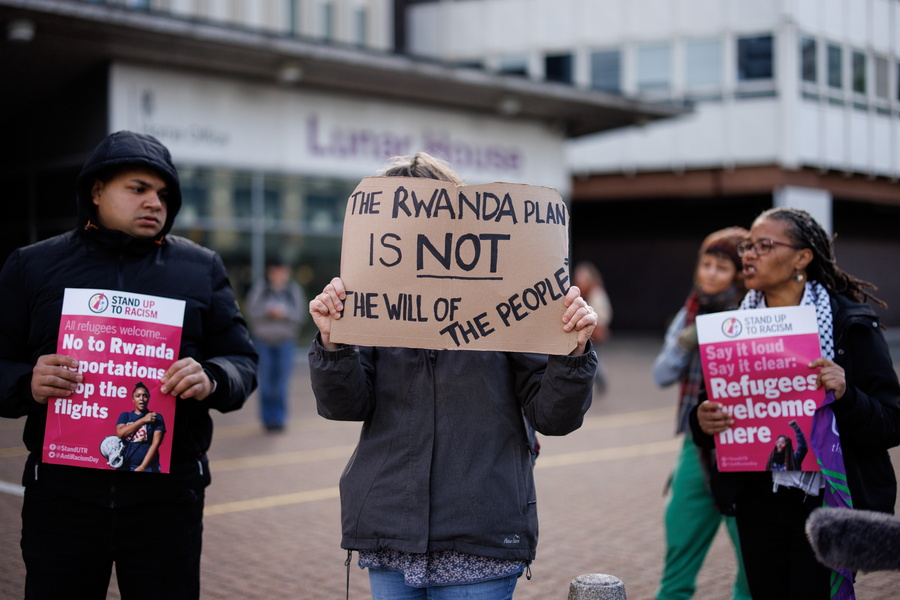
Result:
[[858, 540]]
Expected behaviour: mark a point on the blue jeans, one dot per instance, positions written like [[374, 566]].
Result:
[[275, 364], [389, 585]]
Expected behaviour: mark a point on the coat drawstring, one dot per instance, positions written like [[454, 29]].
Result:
[[347, 564]]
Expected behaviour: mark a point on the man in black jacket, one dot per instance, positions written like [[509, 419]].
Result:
[[78, 522]]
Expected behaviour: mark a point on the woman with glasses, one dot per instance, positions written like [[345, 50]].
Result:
[[692, 518], [788, 260]]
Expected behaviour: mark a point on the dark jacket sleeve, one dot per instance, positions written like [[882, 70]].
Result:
[[558, 396], [228, 353], [16, 361], [340, 383], [869, 411]]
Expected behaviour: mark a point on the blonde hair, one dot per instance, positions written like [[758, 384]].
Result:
[[421, 164]]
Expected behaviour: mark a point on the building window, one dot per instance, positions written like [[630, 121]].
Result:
[[858, 72], [808, 65], [513, 65], [897, 98], [881, 78], [361, 18], [835, 67], [294, 17], [654, 68], [558, 67], [606, 70], [755, 58], [703, 64], [327, 21]]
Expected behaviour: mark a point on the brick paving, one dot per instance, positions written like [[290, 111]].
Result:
[[272, 528]]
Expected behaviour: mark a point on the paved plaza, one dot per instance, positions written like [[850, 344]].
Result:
[[272, 516]]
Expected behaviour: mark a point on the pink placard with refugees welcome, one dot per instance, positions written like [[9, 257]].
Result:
[[755, 362]]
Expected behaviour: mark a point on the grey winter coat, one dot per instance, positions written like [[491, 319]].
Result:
[[443, 460]]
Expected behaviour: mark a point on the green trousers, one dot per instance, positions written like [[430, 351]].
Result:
[[692, 521]]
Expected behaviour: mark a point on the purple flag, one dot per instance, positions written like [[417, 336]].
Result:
[[826, 444]]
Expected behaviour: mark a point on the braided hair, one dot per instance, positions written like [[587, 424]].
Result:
[[807, 233]]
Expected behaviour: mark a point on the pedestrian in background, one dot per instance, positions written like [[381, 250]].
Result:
[[77, 522], [788, 260], [276, 308], [589, 280], [439, 498], [692, 518]]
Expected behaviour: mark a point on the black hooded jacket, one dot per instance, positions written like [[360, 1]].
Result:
[[32, 284]]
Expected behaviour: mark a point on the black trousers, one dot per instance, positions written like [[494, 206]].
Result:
[[778, 559], [70, 548]]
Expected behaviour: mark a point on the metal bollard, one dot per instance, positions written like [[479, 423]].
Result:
[[596, 586]]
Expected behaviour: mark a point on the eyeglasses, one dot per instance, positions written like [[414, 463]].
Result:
[[761, 247]]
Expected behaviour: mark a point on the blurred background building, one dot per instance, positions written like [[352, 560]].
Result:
[[659, 120], [273, 110], [795, 102]]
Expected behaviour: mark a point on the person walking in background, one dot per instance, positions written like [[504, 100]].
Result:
[[276, 308], [589, 280], [439, 498], [788, 260], [77, 523], [692, 518]]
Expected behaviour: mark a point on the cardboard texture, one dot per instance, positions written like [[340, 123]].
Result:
[[755, 363], [431, 265]]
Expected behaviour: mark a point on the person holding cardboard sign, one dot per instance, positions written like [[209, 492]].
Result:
[[788, 260], [440, 491]]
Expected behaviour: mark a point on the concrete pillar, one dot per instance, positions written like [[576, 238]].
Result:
[[816, 202], [596, 586]]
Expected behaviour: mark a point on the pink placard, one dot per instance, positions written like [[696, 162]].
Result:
[[755, 362], [120, 340]]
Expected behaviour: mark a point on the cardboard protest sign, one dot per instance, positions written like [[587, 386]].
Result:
[[428, 264], [755, 363], [119, 340]]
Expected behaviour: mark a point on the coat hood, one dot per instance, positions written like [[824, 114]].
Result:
[[123, 149]]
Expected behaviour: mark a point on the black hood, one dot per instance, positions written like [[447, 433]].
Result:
[[122, 149]]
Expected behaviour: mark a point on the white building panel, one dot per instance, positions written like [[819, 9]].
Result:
[[552, 23], [882, 132], [834, 19], [507, 23], [650, 19], [604, 23], [469, 30], [703, 137], [809, 16], [753, 15], [857, 19], [700, 17], [211, 121], [809, 134], [881, 38], [858, 158], [753, 129], [835, 142], [425, 30]]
